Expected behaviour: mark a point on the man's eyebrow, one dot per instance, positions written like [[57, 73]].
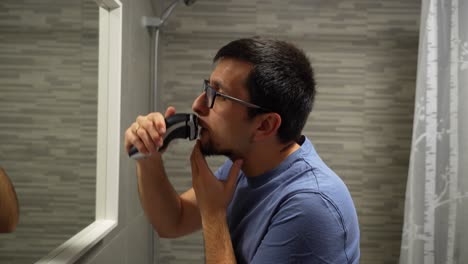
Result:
[[219, 86]]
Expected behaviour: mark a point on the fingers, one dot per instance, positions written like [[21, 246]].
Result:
[[147, 132], [200, 166], [131, 139], [170, 111], [195, 173], [213, 195], [198, 158]]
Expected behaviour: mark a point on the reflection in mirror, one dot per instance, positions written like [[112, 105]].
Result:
[[48, 119]]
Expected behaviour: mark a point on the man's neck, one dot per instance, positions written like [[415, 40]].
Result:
[[263, 159]]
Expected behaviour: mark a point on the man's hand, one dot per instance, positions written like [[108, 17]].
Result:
[[147, 132], [213, 195]]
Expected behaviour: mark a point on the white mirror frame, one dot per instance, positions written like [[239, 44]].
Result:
[[108, 138]]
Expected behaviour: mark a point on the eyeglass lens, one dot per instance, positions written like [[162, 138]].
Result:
[[210, 95]]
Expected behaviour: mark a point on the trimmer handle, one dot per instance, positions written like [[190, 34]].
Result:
[[177, 126]]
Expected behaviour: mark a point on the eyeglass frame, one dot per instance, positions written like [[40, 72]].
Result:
[[206, 86]]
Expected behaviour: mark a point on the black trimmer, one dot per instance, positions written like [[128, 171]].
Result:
[[177, 126]]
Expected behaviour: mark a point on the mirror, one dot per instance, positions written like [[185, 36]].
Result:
[[57, 138]]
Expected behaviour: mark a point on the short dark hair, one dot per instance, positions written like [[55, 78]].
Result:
[[281, 80]]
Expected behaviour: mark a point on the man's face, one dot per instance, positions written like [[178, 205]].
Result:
[[226, 128]]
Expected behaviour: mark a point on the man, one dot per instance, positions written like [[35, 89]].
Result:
[[9, 211], [274, 200]]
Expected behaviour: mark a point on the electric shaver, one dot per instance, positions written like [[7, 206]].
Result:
[[177, 126]]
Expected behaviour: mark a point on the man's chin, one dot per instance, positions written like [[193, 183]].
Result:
[[208, 149], [205, 145]]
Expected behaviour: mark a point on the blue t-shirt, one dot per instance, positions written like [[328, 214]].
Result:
[[299, 212]]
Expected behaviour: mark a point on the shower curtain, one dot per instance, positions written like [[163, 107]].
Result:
[[436, 207]]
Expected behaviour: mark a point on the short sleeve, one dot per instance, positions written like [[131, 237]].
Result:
[[306, 229]]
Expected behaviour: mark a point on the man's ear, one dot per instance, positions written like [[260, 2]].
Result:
[[267, 125]]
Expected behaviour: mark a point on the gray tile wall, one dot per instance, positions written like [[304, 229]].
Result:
[[365, 55], [48, 107]]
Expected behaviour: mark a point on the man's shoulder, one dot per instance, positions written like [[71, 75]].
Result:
[[311, 183]]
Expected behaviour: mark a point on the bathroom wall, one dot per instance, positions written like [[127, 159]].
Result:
[[48, 117], [364, 53]]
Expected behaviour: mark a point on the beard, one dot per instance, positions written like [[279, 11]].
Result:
[[209, 148]]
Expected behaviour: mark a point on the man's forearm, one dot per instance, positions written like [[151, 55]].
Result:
[[218, 245], [159, 200]]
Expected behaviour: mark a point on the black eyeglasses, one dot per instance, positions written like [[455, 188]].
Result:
[[211, 94]]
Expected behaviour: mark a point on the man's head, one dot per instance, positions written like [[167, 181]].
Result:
[[272, 74], [281, 80]]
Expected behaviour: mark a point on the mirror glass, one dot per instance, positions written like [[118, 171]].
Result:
[[48, 120]]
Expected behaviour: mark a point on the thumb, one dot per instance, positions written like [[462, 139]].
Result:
[[169, 111], [233, 173]]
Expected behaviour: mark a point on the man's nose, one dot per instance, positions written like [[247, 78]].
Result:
[[199, 105]]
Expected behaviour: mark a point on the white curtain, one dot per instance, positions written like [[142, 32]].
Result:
[[436, 207]]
